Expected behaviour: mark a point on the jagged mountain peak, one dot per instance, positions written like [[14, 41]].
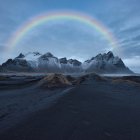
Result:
[[28, 56], [36, 53], [48, 54], [109, 55], [20, 56], [74, 62], [63, 60], [102, 57]]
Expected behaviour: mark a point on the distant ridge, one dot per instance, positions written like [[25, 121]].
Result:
[[37, 62]]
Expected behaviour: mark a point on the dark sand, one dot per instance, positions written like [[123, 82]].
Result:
[[94, 110]]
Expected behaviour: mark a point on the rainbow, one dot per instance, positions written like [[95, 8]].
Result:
[[36, 21]]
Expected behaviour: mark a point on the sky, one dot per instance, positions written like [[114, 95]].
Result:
[[72, 38]]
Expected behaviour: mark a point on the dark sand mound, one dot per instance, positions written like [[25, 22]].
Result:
[[135, 79], [13, 82], [94, 76], [59, 80], [127, 79], [54, 81]]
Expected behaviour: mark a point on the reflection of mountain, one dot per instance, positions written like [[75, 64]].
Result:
[[35, 62]]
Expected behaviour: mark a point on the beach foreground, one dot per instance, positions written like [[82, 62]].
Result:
[[96, 108]]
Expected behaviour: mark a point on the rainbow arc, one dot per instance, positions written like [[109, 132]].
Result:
[[36, 21]]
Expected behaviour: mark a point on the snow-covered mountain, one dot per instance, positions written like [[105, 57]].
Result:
[[36, 62], [105, 63]]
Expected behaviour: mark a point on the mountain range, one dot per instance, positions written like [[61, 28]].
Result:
[[37, 62]]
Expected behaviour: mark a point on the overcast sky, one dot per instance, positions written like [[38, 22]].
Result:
[[73, 39]]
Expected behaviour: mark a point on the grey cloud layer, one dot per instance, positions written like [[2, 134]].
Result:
[[121, 17]]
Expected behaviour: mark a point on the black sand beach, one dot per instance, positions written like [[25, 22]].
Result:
[[94, 110]]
